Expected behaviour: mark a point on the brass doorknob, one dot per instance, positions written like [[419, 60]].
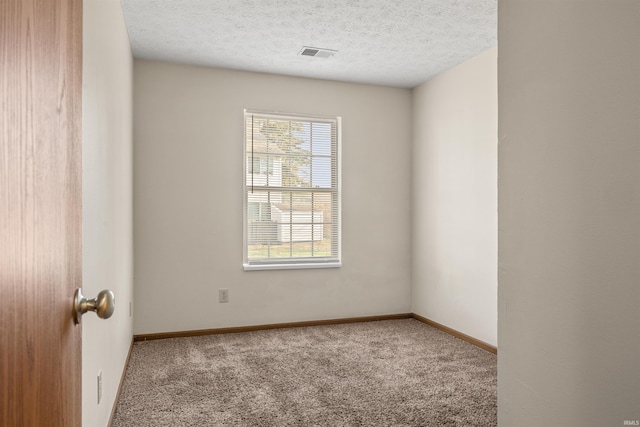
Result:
[[103, 305]]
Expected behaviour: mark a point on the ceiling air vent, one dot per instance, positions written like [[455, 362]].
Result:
[[317, 52]]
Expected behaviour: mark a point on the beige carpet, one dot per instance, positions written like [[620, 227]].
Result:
[[387, 373]]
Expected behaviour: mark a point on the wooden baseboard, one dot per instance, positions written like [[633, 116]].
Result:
[[199, 332], [194, 333], [483, 345], [117, 399]]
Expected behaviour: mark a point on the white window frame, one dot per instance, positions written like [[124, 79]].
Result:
[[334, 261]]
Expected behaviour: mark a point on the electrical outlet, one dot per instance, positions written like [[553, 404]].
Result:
[[130, 309], [223, 295], [99, 386]]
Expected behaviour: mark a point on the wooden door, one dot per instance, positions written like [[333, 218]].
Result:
[[40, 211]]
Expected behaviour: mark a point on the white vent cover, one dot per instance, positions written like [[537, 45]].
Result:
[[317, 52]]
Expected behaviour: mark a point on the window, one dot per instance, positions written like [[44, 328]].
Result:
[[291, 191]]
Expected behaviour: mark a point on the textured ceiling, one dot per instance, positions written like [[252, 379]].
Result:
[[387, 42]]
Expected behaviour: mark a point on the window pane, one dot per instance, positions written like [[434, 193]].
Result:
[[321, 139], [321, 172]]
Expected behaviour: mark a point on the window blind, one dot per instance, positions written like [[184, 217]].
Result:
[[291, 191]]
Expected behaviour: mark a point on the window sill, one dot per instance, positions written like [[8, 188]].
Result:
[[256, 267]]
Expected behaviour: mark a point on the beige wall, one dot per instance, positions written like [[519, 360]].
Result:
[[107, 205], [569, 213], [188, 160], [454, 181]]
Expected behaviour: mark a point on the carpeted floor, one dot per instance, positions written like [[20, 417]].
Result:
[[386, 373]]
